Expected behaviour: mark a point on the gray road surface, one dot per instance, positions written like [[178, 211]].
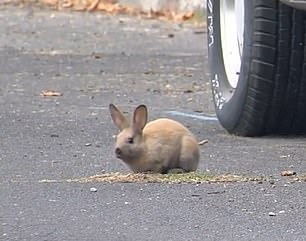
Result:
[[93, 60]]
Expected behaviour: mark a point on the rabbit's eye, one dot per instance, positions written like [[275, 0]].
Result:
[[130, 140]]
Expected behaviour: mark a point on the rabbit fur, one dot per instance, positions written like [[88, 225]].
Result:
[[160, 146]]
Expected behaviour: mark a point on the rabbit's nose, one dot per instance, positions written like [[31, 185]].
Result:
[[118, 152]]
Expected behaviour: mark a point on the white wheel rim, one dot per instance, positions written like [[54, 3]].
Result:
[[232, 27]]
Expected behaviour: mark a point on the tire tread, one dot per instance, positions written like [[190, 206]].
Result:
[[276, 96]]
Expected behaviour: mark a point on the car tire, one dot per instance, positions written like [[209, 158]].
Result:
[[269, 95]]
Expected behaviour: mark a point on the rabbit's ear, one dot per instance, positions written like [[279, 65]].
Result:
[[140, 118], [118, 118]]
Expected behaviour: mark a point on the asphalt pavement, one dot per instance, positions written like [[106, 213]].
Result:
[[91, 60]]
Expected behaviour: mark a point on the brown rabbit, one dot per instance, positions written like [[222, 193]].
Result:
[[160, 146]]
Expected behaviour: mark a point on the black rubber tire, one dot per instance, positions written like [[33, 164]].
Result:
[[270, 97]]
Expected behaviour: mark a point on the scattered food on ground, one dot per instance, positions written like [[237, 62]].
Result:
[[192, 177]]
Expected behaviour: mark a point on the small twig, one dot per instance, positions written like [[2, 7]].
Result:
[[201, 143]]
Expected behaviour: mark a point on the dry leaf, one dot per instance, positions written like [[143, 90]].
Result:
[[179, 17], [93, 5], [50, 2], [182, 16], [288, 173], [113, 6], [67, 4], [48, 93]]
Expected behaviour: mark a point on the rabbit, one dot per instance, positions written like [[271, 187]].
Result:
[[160, 146]]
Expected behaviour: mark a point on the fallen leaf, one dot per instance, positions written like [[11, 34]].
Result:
[[182, 16], [111, 7], [50, 2], [114, 7], [93, 5], [67, 4], [48, 93], [288, 173]]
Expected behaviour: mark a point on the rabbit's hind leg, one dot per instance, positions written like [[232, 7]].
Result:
[[190, 154]]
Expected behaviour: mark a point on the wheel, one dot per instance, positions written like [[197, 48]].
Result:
[[257, 62]]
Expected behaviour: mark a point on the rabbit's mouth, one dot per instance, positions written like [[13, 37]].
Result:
[[118, 153], [119, 156]]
